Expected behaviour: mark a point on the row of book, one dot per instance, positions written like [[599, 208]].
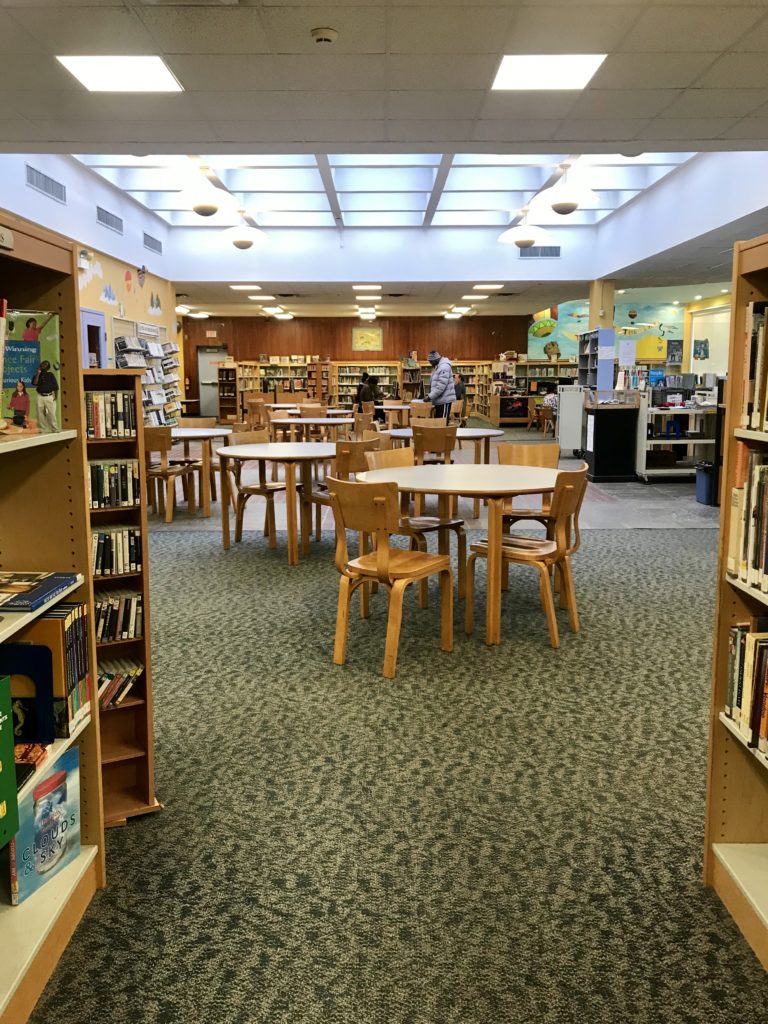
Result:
[[116, 680], [747, 552], [110, 414], [114, 483], [119, 615], [754, 405], [746, 700], [116, 551]]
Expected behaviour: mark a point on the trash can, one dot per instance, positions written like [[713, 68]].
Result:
[[705, 483]]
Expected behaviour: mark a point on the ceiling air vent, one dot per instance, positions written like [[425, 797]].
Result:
[[48, 186], [540, 252], [153, 243], [109, 220]]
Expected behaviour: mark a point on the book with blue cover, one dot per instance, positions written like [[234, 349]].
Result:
[[28, 591]]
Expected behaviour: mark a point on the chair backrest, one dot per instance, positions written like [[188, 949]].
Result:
[[248, 437], [157, 439], [197, 421], [421, 410], [437, 440], [385, 441], [350, 456], [389, 403], [363, 421], [239, 428], [457, 411], [390, 458], [366, 508], [544, 455], [300, 397], [255, 408], [546, 412], [570, 488], [368, 407], [312, 411], [532, 405]]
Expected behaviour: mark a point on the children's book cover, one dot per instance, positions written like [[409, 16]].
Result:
[[49, 827], [9, 820], [31, 371]]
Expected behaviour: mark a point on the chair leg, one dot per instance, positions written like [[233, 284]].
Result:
[[160, 491], [394, 622], [272, 534], [461, 556], [170, 497], [342, 621], [365, 588], [446, 610], [548, 603], [213, 484], [239, 513], [266, 517], [191, 506], [570, 590], [469, 602], [419, 543], [318, 521]]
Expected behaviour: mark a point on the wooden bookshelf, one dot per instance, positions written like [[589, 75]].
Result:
[[319, 380], [129, 789], [736, 839], [227, 385], [43, 523], [345, 376]]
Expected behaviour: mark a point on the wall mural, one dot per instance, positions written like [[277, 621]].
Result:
[[554, 331]]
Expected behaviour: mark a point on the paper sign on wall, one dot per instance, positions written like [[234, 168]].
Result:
[[590, 433], [627, 350]]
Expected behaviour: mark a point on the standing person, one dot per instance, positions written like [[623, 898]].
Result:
[[47, 389], [19, 404], [360, 386], [459, 387], [441, 388], [371, 392]]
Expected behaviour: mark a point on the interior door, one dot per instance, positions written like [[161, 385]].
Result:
[[93, 335], [208, 358]]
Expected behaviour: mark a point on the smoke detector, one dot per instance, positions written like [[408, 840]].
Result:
[[324, 36]]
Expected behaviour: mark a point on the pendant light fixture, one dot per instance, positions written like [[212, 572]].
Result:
[[524, 235], [244, 234], [568, 194]]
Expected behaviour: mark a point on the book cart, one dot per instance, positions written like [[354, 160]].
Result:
[[43, 526], [736, 839], [127, 737]]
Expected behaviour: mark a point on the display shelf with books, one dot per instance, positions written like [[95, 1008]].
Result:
[[146, 347], [248, 379], [285, 373], [43, 510], [484, 391], [736, 841], [345, 376], [669, 442], [227, 385], [319, 380], [120, 579]]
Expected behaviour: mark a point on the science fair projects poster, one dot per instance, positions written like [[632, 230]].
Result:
[[31, 336]]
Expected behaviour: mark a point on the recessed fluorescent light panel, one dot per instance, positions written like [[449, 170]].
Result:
[[487, 287], [474, 298], [283, 316], [460, 309], [122, 74], [262, 298], [366, 287], [537, 71], [452, 316], [272, 309], [245, 287], [368, 298]]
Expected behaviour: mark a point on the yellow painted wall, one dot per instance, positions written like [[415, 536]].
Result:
[[695, 307], [119, 290]]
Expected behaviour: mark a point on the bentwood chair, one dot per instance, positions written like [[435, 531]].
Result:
[[553, 552], [547, 420], [546, 456], [421, 411], [416, 527], [162, 475], [533, 413], [349, 460], [433, 444], [264, 488], [372, 509]]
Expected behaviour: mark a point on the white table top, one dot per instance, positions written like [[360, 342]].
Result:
[[466, 479], [281, 451], [199, 433], [317, 421], [280, 405], [296, 411], [463, 433]]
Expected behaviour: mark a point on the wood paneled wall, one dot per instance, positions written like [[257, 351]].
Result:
[[331, 337]]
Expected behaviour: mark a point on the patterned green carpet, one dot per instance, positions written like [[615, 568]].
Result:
[[504, 836]]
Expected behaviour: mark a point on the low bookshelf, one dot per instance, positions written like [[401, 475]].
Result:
[[127, 734]]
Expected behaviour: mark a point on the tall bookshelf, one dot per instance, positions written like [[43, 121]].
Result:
[[345, 376], [248, 386], [285, 373], [736, 839], [127, 734], [319, 380], [484, 391], [43, 526], [227, 385], [146, 346]]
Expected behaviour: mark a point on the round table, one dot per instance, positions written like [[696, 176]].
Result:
[[303, 453], [495, 484], [305, 422], [204, 435]]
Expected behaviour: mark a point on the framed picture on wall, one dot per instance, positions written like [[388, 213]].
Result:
[[367, 339]]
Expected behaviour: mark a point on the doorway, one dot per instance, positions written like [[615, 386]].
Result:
[[208, 359], [93, 334]]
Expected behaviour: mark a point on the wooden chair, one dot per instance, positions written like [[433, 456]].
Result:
[[421, 410], [255, 411], [265, 489], [281, 432], [198, 421], [349, 460], [546, 456], [164, 474], [314, 411], [433, 444], [533, 413], [456, 415], [385, 441], [417, 526], [547, 420], [368, 407], [363, 421], [373, 509], [554, 552]]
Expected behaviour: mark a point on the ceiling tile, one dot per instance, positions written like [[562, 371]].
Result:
[[753, 129], [285, 72], [87, 30], [267, 106], [361, 30], [214, 30], [448, 29], [515, 131], [602, 130], [747, 70], [581, 28], [49, 74], [428, 132], [617, 102], [91, 106], [527, 105], [14, 38], [674, 128], [428, 71], [185, 134], [717, 103], [665, 28], [300, 132], [651, 70], [443, 104]]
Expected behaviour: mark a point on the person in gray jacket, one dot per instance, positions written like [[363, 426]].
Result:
[[441, 387]]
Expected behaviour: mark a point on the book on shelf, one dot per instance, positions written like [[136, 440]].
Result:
[[116, 679], [9, 817], [28, 591], [23, 772], [30, 669], [746, 700], [49, 828], [754, 405], [31, 354], [116, 551], [110, 414], [114, 483], [119, 615], [31, 753]]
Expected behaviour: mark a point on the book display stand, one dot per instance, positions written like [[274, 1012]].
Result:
[[43, 526], [736, 842]]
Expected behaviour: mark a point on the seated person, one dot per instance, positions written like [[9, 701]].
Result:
[[371, 392]]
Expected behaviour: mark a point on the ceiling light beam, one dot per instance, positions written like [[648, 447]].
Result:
[[441, 176], [326, 175]]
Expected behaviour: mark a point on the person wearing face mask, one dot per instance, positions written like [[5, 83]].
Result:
[[442, 390]]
